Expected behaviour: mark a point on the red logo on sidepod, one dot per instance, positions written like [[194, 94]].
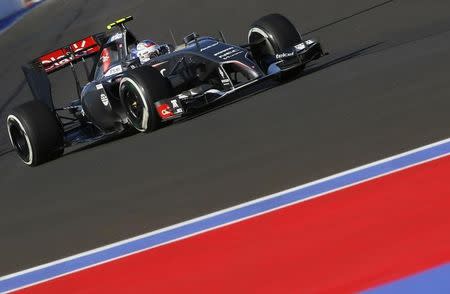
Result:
[[164, 111]]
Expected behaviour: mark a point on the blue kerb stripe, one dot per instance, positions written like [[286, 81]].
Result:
[[13, 18], [251, 209], [436, 280]]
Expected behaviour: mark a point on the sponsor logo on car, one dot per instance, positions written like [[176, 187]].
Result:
[[164, 111], [59, 58], [114, 70], [284, 55], [104, 99], [116, 37]]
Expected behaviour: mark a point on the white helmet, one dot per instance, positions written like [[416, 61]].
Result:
[[147, 50]]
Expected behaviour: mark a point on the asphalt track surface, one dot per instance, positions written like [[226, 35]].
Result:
[[384, 89]]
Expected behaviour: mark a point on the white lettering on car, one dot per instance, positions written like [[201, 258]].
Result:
[[174, 104]]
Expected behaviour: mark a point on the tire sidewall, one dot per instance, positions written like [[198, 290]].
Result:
[[151, 87], [13, 119], [145, 99], [43, 132]]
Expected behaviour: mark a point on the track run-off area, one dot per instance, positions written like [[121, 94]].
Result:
[[383, 90]]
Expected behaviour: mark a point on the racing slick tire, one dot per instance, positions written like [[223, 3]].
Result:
[[35, 133], [280, 35], [139, 89]]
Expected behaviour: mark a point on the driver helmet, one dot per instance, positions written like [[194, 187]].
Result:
[[147, 50]]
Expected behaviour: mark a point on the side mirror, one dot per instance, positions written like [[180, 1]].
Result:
[[191, 37]]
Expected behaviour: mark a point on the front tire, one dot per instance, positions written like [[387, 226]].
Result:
[[279, 34], [139, 89], [35, 133]]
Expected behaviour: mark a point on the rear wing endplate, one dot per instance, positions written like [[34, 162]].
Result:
[[39, 84]]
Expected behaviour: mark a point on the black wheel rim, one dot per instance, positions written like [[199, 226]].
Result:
[[134, 105]]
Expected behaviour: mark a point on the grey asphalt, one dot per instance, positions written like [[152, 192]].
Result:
[[384, 89]]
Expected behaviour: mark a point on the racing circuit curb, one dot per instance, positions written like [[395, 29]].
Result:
[[11, 12]]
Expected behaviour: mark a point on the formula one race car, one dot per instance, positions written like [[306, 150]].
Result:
[[142, 85]]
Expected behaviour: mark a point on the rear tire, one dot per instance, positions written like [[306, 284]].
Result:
[[139, 90], [35, 133], [280, 35]]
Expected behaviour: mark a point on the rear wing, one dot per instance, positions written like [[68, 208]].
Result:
[[36, 72], [70, 54]]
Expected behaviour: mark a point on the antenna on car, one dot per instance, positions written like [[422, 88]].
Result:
[[173, 38], [120, 22], [222, 37]]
